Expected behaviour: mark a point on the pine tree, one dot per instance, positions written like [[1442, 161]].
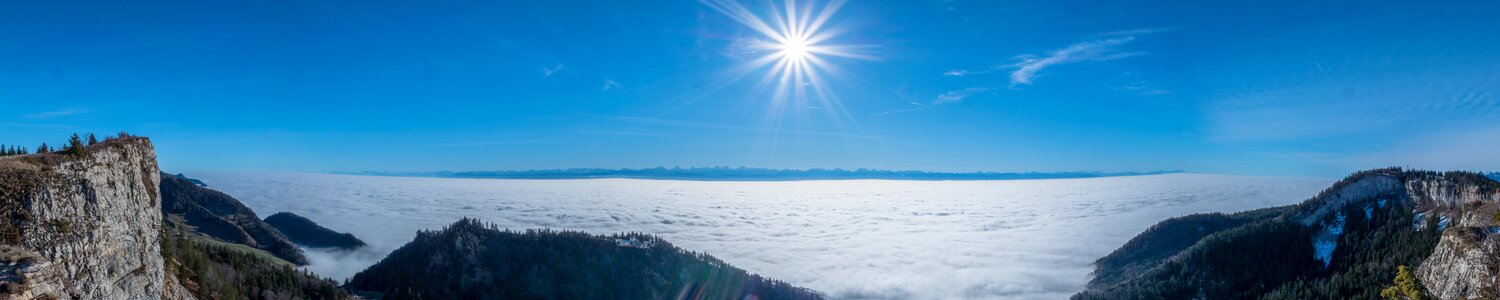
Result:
[[75, 145], [1406, 287], [92, 140], [42, 149]]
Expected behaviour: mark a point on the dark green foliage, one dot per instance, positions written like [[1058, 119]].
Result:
[[224, 218], [308, 233], [468, 260], [76, 146], [1272, 258], [43, 149], [1404, 287], [212, 271], [92, 140], [1160, 242]]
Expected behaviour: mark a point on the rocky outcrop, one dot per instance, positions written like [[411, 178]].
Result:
[[1466, 262], [307, 233], [88, 221], [1463, 266]]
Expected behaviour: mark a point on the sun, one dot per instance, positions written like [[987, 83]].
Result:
[[795, 48], [795, 40]]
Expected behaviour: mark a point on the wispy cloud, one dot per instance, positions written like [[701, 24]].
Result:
[[958, 95], [962, 72], [1028, 66], [70, 111], [954, 96], [547, 72], [611, 84]]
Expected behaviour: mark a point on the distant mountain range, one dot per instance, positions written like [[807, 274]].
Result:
[[754, 174]]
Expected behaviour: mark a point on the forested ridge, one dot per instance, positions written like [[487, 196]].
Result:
[[1354, 251], [471, 260]]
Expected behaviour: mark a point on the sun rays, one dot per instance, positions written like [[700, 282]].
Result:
[[793, 48]]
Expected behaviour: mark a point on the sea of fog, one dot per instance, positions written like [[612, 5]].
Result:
[[1018, 239]]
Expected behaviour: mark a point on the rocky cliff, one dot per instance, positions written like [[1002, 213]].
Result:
[[83, 225], [1466, 261]]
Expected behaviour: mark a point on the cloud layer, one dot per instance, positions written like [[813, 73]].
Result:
[[1023, 239]]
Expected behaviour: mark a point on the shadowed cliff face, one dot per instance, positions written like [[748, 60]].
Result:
[[86, 225]]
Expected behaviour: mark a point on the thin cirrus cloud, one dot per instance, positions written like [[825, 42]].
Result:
[[611, 84], [958, 95], [70, 111], [954, 96], [547, 72], [1023, 72], [1027, 67]]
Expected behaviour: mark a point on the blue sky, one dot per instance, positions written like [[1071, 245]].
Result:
[[1305, 88]]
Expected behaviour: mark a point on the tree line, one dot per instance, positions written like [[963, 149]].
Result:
[[75, 145]]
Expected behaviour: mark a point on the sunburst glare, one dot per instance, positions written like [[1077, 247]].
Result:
[[793, 48]]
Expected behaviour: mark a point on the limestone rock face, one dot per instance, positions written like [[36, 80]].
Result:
[[1461, 267], [92, 220], [1466, 261]]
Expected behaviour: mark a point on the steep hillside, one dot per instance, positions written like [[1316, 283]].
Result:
[[1345, 243], [1166, 239], [307, 233], [211, 269], [83, 225], [222, 217], [468, 260]]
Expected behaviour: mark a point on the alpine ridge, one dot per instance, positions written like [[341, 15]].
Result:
[[1346, 242]]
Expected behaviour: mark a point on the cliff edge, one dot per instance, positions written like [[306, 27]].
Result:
[[83, 225]]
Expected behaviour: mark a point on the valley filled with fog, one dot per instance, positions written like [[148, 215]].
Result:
[[1007, 239]]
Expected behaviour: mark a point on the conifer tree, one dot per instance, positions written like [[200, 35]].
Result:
[[42, 149], [75, 145], [1406, 287], [92, 140]]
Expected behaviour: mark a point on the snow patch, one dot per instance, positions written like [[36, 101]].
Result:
[[1327, 241]]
